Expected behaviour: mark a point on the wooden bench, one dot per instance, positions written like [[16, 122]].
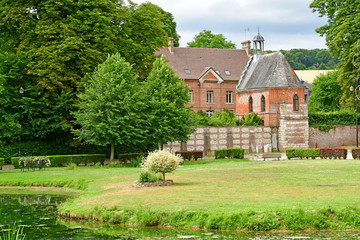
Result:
[[272, 155]]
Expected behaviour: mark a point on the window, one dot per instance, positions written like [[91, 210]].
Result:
[[229, 97], [187, 71], [262, 103], [209, 112], [250, 105], [218, 72], [210, 97], [296, 103], [191, 96], [227, 72]]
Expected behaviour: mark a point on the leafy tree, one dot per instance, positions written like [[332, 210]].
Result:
[[251, 119], [161, 162], [168, 119], [109, 105], [224, 118], [325, 93], [200, 118], [206, 39], [342, 37], [170, 26], [142, 33]]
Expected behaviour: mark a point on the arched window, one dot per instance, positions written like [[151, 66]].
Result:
[[262, 103], [296, 103], [250, 105]]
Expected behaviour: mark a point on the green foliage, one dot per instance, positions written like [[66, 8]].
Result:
[[14, 233], [163, 95], [325, 93], [200, 118], [206, 39], [310, 59], [229, 153], [108, 107], [341, 34], [251, 119], [303, 153], [2, 161], [64, 160], [224, 118], [149, 177], [332, 118]]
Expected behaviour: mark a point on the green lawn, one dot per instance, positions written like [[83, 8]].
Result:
[[210, 187]]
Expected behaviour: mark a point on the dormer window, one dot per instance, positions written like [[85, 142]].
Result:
[[218, 72], [227, 72], [187, 71]]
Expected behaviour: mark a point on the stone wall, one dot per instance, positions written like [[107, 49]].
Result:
[[336, 137], [208, 139], [294, 127]]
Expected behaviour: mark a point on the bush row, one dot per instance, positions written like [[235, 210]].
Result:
[[63, 160], [2, 160], [355, 153], [332, 118], [189, 155], [229, 153], [303, 153], [332, 153]]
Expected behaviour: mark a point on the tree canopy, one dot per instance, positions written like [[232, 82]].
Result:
[[342, 37], [325, 93], [206, 39]]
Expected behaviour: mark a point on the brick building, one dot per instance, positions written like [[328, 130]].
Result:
[[211, 74]]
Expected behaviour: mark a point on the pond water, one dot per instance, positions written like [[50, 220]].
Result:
[[38, 214]]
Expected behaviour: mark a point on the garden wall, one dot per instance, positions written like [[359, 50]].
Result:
[[333, 137], [208, 139]]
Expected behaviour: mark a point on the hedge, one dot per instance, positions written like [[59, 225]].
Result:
[[2, 160], [336, 153], [303, 153], [63, 160], [189, 155], [355, 153], [332, 118], [229, 153]]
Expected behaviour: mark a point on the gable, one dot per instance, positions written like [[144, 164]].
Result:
[[209, 74]]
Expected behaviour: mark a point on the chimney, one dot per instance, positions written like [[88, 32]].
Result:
[[292, 75], [246, 45], [171, 45]]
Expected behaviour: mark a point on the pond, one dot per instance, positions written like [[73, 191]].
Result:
[[38, 214]]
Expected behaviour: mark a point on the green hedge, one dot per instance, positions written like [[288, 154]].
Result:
[[229, 153], [332, 118], [303, 153], [2, 160], [63, 160]]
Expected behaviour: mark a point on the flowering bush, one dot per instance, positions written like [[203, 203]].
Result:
[[37, 162], [161, 162]]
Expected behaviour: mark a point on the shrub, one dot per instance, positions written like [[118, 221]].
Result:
[[303, 153], [149, 177], [189, 155], [355, 153], [2, 160], [236, 152], [251, 119], [221, 153], [161, 162], [34, 162], [332, 118], [335, 153], [131, 157]]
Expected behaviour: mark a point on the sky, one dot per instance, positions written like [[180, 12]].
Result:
[[284, 24]]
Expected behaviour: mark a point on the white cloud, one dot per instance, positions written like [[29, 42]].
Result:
[[286, 23]]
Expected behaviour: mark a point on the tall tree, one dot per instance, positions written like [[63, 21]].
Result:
[[168, 119], [108, 107], [325, 93], [206, 39], [342, 37], [142, 33]]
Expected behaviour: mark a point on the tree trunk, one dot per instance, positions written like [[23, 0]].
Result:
[[164, 176], [112, 152]]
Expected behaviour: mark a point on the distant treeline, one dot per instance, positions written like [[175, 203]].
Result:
[[304, 59]]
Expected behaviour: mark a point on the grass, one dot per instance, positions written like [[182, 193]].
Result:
[[223, 194]]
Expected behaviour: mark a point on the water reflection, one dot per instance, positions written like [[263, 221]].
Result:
[[38, 214]]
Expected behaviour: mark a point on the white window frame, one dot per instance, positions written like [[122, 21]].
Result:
[[229, 97], [210, 97], [210, 113], [191, 94]]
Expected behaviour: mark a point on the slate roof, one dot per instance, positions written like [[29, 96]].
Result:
[[197, 60], [268, 71]]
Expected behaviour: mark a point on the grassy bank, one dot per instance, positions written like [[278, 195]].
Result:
[[222, 194]]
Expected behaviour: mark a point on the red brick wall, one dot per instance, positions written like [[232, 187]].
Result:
[[273, 98], [219, 93]]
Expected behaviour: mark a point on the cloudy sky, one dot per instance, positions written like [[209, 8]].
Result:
[[285, 24]]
